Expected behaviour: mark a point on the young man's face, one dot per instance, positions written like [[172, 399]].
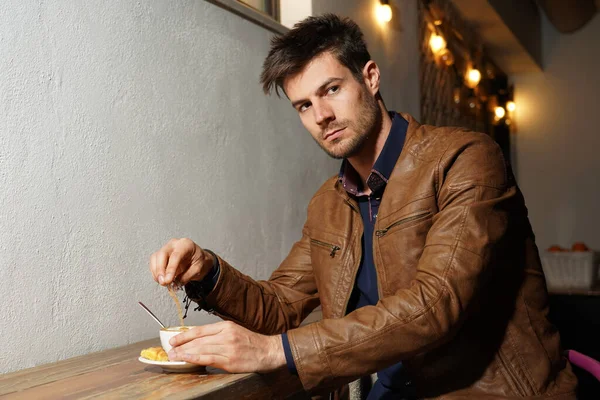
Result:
[[338, 111]]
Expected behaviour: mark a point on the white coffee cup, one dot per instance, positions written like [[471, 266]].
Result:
[[167, 333]]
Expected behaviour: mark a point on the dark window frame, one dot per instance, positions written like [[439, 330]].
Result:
[[268, 21]]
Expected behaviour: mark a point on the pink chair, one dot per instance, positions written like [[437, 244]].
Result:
[[584, 362]]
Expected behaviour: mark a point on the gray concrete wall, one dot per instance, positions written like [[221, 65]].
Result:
[[123, 125]]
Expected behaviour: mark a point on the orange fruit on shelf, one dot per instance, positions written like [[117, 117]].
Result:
[[555, 249], [579, 246]]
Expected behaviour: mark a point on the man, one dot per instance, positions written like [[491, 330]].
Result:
[[420, 253]]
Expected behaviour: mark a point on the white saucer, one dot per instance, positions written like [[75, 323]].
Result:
[[173, 366]]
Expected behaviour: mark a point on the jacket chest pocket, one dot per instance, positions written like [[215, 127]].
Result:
[[404, 222], [326, 254], [332, 248], [326, 248]]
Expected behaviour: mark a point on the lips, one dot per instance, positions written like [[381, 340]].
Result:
[[331, 135]]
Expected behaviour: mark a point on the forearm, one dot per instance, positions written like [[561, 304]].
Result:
[[268, 307]]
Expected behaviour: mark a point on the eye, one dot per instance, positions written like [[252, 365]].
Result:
[[333, 90], [303, 107]]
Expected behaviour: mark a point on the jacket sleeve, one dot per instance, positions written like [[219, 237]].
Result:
[[269, 307], [473, 200]]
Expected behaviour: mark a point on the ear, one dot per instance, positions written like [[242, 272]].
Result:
[[372, 77]]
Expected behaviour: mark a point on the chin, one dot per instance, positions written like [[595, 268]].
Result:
[[338, 152]]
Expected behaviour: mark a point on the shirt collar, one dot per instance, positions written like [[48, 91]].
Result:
[[384, 165]]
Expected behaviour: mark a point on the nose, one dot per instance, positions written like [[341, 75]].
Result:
[[323, 113]]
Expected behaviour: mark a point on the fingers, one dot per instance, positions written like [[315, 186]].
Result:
[[219, 340], [160, 258], [199, 347], [172, 259], [211, 359], [198, 332], [158, 262], [172, 266], [180, 260]]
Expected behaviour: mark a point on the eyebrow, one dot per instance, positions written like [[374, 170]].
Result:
[[319, 89]]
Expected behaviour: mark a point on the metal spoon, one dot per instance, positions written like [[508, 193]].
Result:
[[151, 314]]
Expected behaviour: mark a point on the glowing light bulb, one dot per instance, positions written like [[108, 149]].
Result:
[[500, 112], [437, 43], [384, 12], [473, 78], [511, 106]]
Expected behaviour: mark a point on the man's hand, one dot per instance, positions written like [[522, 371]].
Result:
[[182, 259], [230, 347]]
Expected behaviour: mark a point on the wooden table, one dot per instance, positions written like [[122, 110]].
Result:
[[117, 374]]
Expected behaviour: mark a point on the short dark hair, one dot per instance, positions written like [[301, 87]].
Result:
[[309, 38]]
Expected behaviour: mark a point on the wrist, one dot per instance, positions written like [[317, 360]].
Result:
[[277, 355]]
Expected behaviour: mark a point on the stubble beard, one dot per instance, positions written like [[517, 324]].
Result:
[[369, 119]]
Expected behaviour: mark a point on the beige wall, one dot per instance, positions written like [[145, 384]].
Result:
[[557, 145]]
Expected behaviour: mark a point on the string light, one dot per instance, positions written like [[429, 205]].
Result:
[[500, 112], [384, 12], [473, 78], [437, 43], [444, 49]]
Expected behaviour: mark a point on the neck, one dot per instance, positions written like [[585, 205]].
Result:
[[364, 160]]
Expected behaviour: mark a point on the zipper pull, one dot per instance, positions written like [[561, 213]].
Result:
[[381, 233], [333, 250]]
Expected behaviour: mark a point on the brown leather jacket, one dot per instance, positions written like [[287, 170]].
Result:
[[463, 299]]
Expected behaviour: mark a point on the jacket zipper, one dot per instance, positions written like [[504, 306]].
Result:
[[333, 247], [355, 271], [382, 232]]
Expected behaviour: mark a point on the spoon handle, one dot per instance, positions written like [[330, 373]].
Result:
[[151, 314]]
